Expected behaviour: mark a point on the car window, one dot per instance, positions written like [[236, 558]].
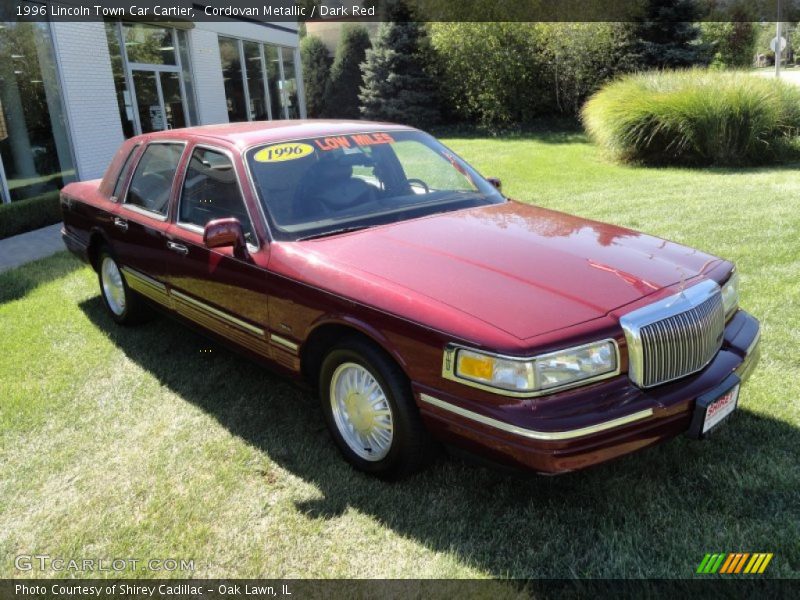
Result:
[[424, 166], [152, 180], [324, 185], [211, 191], [124, 172]]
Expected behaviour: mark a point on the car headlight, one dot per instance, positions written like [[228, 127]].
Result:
[[730, 295], [546, 372]]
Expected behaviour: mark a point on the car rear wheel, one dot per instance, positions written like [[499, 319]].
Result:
[[123, 305], [370, 411]]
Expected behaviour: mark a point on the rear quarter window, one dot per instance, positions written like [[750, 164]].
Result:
[[152, 181], [122, 178]]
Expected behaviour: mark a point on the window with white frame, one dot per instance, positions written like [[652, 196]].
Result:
[[260, 80]]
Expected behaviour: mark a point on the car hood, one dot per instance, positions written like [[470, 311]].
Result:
[[522, 269]]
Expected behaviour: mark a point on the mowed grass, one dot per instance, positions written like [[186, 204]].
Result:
[[155, 443]]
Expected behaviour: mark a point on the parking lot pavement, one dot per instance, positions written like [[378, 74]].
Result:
[[27, 247], [788, 75]]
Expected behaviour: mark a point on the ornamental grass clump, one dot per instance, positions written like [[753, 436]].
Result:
[[696, 118]]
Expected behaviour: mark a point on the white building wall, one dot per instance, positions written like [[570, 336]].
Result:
[[207, 74], [87, 82], [90, 101]]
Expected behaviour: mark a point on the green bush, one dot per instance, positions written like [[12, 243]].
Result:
[[492, 73], [27, 215], [696, 118], [504, 74], [316, 72]]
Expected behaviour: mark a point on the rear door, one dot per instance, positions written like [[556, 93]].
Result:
[[226, 294], [140, 222]]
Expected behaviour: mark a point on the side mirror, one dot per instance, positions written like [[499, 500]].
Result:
[[224, 233], [496, 183]]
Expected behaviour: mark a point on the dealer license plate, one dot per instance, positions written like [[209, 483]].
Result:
[[720, 408]]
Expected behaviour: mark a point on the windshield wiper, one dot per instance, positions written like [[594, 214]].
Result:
[[333, 232]]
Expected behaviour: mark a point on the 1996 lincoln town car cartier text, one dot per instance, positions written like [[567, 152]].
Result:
[[371, 261]]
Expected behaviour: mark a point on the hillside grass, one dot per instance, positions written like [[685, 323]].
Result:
[[152, 442]]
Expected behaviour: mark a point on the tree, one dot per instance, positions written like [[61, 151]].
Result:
[[398, 80], [730, 44], [346, 78], [667, 35], [316, 73]]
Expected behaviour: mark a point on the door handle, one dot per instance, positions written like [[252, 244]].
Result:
[[179, 248], [121, 223]]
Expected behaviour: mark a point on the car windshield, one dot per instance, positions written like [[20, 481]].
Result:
[[327, 185]]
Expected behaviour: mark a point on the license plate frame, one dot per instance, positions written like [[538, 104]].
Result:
[[709, 414]]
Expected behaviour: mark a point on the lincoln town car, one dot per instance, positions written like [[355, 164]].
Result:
[[422, 305]]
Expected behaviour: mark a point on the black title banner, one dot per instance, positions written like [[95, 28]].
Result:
[[380, 10]]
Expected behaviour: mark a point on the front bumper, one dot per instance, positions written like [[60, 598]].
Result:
[[601, 421]]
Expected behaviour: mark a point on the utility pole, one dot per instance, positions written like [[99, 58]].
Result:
[[778, 50]]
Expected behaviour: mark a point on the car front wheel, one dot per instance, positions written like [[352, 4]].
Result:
[[370, 411]]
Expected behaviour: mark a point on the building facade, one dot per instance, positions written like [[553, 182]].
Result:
[[71, 92]]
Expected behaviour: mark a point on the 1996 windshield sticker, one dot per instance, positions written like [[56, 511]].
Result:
[[347, 141], [282, 152]]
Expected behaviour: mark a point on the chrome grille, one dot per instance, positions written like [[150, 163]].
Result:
[[675, 337]]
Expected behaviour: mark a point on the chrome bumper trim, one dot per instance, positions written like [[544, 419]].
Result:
[[530, 433]]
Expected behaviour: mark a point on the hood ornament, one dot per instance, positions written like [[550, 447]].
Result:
[[681, 295]]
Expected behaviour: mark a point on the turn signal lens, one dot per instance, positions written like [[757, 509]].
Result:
[[495, 371], [474, 365]]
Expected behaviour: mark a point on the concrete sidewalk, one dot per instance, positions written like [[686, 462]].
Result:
[[27, 247]]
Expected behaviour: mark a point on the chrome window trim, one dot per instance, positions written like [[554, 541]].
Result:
[[218, 313], [449, 369], [633, 322], [135, 207], [144, 212], [230, 156], [531, 433]]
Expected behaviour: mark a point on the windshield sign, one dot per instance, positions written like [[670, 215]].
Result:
[[328, 185]]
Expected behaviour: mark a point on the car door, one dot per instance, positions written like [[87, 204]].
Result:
[[224, 293], [140, 220]]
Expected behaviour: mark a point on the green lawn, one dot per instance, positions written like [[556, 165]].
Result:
[[141, 443]]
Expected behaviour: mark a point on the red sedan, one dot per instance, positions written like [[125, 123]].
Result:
[[371, 261]]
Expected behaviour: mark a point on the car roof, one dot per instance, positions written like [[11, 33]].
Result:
[[250, 133]]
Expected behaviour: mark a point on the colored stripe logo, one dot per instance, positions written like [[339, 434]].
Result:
[[735, 563]]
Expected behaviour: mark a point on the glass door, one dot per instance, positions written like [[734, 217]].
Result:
[[148, 101], [172, 100], [159, 101]]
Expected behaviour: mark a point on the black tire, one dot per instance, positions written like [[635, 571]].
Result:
[[411, 447], [135, 310]]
